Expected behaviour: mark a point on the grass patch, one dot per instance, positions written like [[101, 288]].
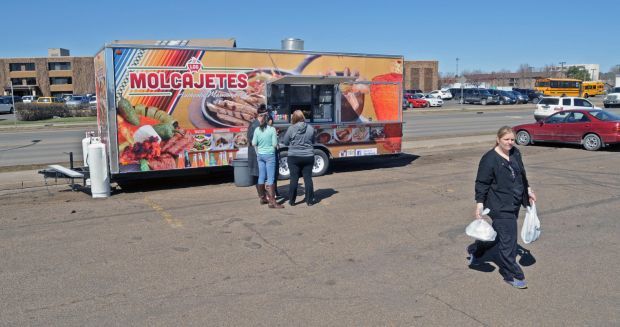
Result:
[[55, 121]]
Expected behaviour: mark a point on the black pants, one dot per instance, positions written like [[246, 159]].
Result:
[[304, 166], [277, 173], [506, 242]]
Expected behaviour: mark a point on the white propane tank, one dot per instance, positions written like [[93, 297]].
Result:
[[98, 167], [85, 143]]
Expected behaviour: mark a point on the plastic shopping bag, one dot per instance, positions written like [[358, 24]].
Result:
[[530, 231], [480, 229]]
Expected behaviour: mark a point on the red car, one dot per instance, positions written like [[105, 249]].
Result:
[[414, 101], [592, 129]]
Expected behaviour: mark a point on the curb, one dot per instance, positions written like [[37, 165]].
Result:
[[28, 127]]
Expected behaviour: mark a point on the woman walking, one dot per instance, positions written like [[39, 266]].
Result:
[[502, 186], [300, 139], [265, 141]]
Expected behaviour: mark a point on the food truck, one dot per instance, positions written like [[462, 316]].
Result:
[[179, 109]]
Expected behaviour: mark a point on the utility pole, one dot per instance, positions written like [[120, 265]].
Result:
[[562, 63], [457, 66], [13, 99]]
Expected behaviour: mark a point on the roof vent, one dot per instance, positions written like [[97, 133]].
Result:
[[293, 44]]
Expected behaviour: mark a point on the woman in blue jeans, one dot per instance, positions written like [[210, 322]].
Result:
[[265, 141]]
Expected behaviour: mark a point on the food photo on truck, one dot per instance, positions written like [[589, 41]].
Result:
[[175, 110]]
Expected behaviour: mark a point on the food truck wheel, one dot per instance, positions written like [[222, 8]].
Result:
[[321, 163], [283, 171]]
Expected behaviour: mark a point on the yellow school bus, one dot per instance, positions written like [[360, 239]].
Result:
[[559, 86], [593, 88]]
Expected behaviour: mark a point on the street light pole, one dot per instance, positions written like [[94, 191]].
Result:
[[457, 66], [592, 75], [13, 100], [562, 68]]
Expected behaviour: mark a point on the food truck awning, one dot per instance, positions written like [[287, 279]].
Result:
[[312, 79]]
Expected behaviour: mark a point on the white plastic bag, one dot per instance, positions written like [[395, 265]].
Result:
[[530, 231], [480, 229]]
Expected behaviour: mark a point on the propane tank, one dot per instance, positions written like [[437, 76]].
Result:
[[85, 143], [98, 167]]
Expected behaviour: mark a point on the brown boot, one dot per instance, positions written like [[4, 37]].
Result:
[[271, 197], [260, 189]]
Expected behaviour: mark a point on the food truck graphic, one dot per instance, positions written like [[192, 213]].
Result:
[[175, 109]]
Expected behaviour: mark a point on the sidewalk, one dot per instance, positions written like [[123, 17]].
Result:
[[31, 178]]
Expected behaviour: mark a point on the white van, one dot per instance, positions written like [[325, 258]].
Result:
[[29, 98], [549, 105], [6, 105]]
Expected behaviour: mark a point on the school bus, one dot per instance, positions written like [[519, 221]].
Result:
[[593, 88], [559, 86]]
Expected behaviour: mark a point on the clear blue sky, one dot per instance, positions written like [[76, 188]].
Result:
[[484, 35]]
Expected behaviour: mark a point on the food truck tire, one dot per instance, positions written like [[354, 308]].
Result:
[[321, 164], [283, 171]]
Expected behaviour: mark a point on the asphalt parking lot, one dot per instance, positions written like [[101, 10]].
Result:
[[384, 246]]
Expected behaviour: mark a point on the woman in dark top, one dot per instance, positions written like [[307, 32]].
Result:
[[300, 140], [502, 187]]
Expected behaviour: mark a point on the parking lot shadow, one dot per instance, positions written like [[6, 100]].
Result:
[[360, 163], [526, 259], [205, 177], [319, 194]]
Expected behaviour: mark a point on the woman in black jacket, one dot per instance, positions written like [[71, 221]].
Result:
[[299, 138], [502, 187]]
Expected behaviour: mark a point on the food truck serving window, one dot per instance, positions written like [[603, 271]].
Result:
[[313, 95], [315, 101]]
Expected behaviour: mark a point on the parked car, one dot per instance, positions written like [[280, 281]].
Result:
[[520, 97], [29, 98], [92, 100], [550, 105], [415, 101], [504, 97], [612, 99], [592, 128], [47, 100], [65, 97], [532, 95], [6, 105], [481, 96], [444, 95], [456, 93], [413, 91], [432, 101], [76, 101]]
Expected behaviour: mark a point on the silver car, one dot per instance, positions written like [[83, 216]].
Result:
[[76, 101]]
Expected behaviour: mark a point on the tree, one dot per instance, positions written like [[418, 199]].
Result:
[[577, 72]]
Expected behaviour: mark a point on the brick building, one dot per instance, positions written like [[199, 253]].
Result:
[[58, 73], [423, 75]]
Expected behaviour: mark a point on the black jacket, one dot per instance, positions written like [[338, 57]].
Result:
[[494, 184], [252, 160]]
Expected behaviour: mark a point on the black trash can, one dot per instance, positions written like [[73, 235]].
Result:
[[242, 173]]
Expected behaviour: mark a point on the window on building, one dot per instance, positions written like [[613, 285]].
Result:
[[20, 66], [59, 66], [60, 80]]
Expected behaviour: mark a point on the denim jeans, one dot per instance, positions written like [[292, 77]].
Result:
[[266, 168]]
